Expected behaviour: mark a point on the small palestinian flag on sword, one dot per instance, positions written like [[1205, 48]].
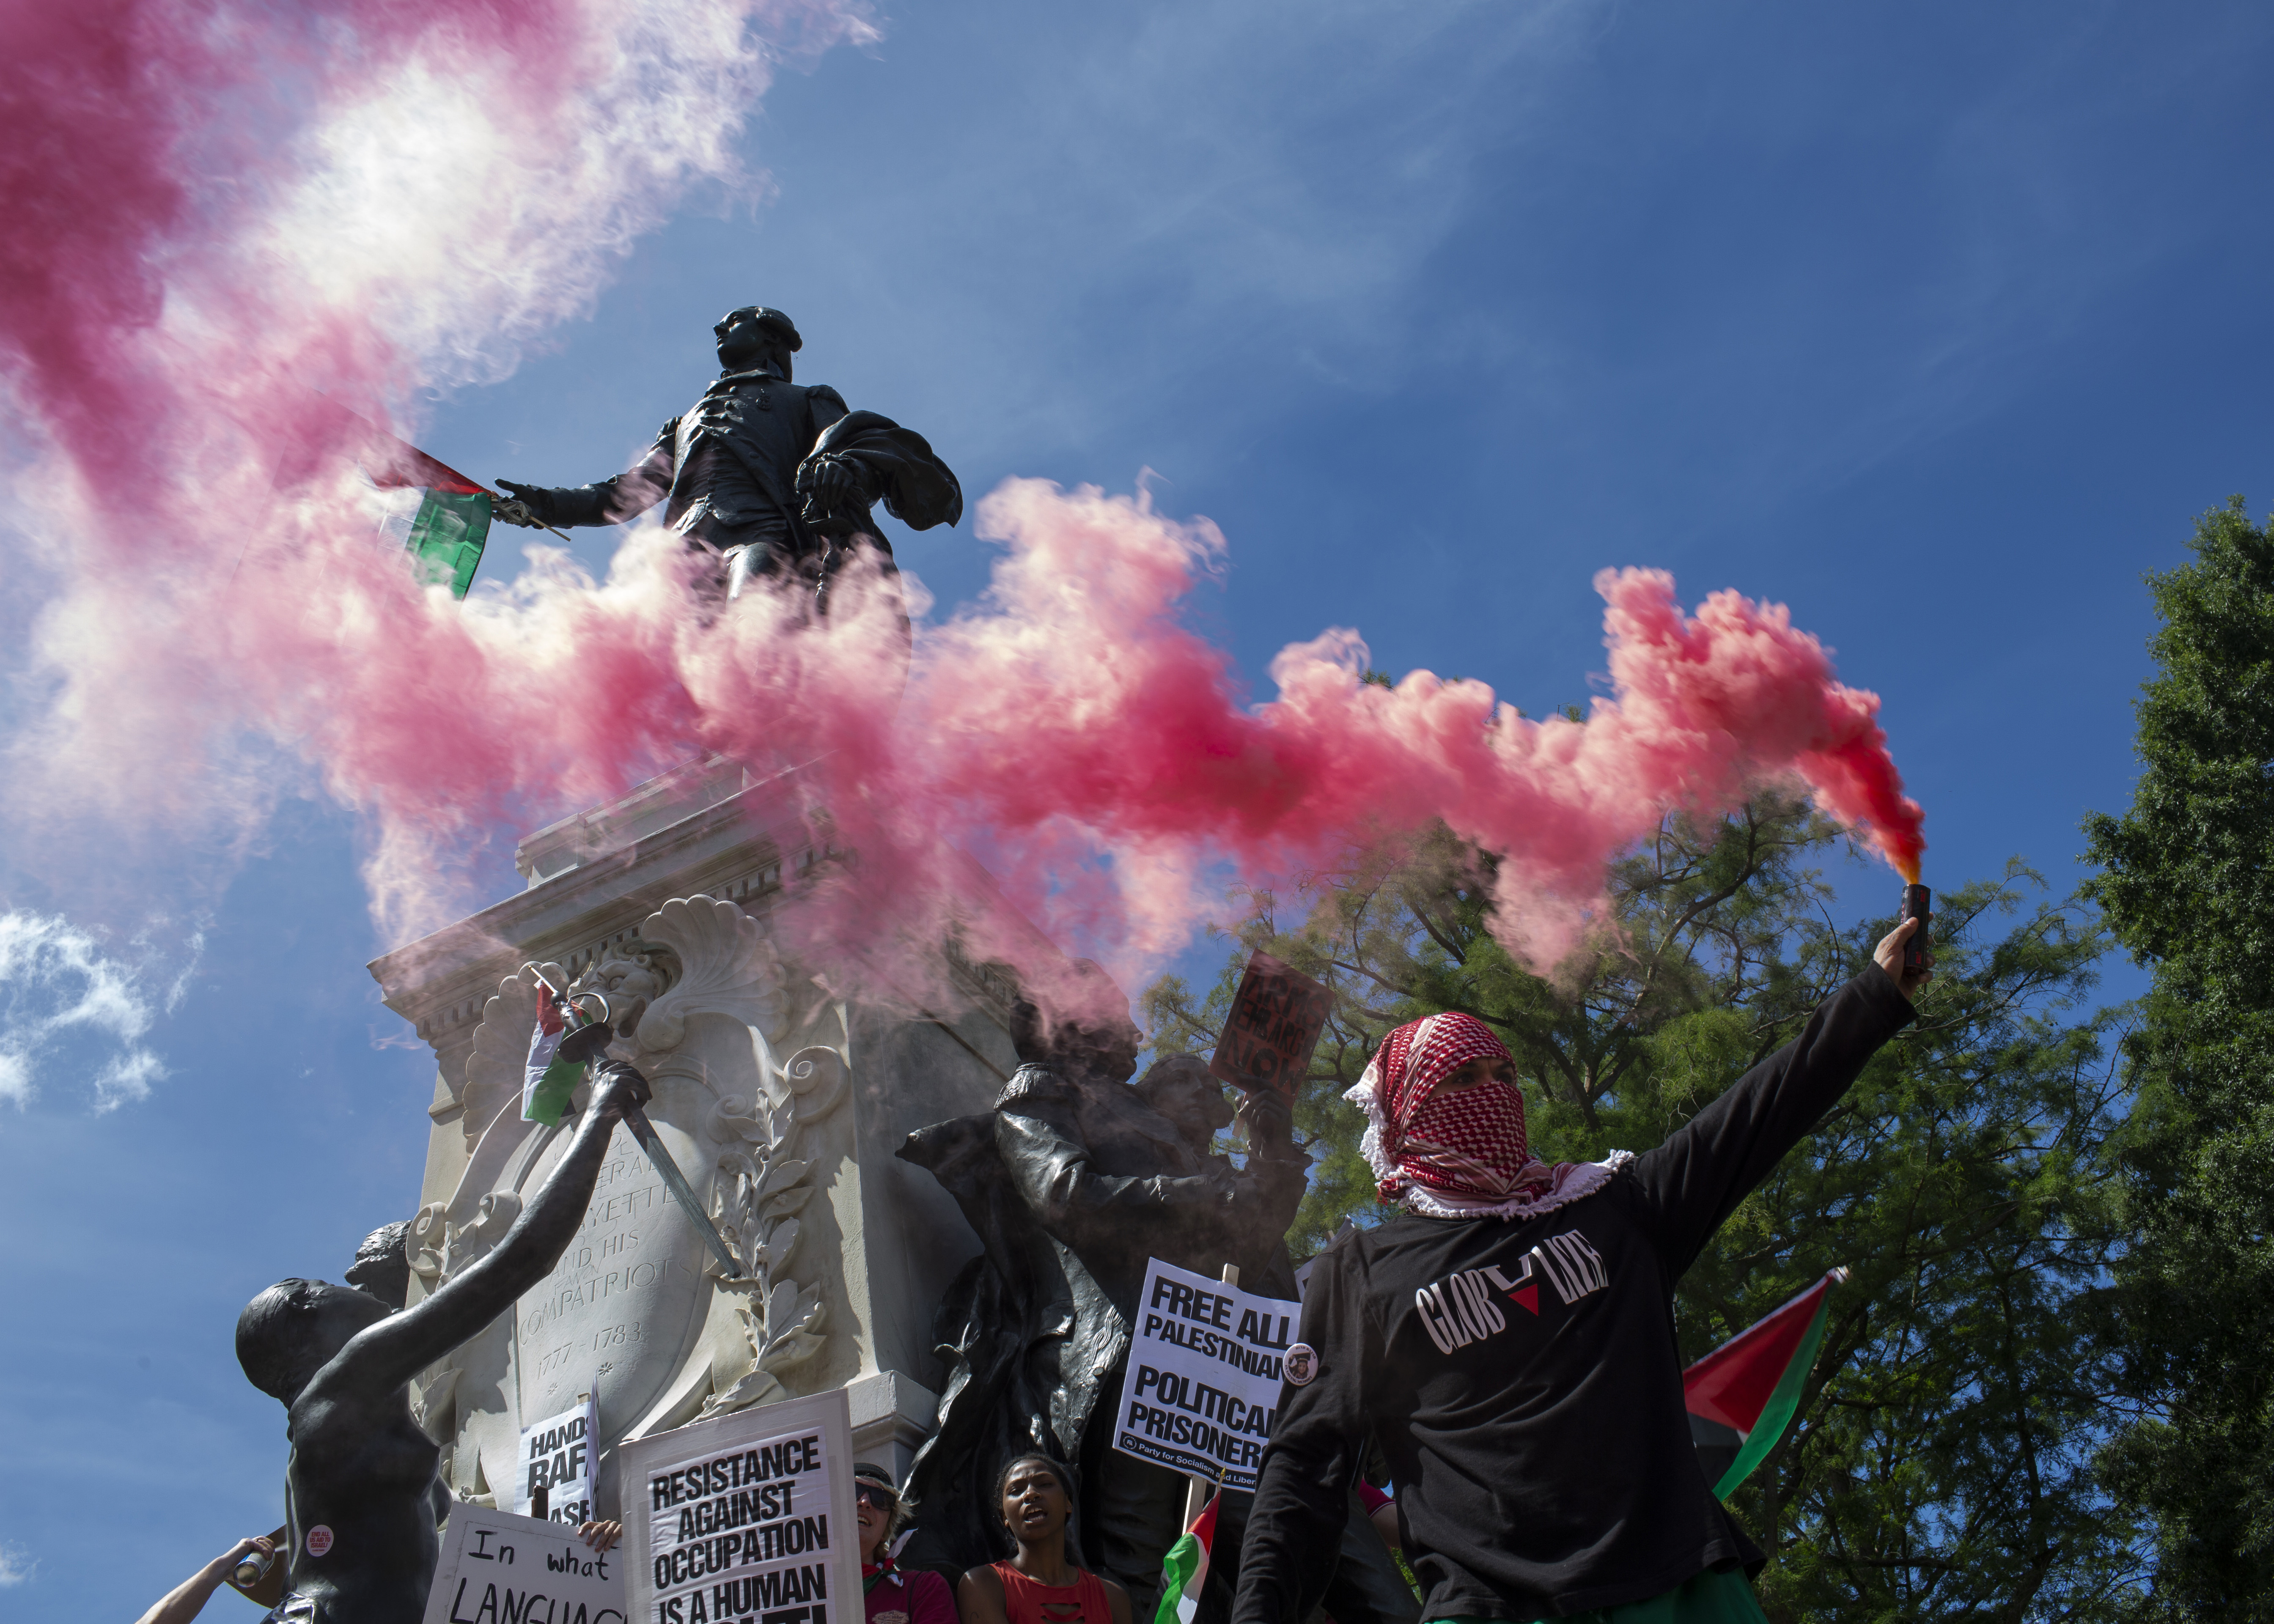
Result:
[[1742, 1396], [446, 532], [1186, 1569], [545, 1091]]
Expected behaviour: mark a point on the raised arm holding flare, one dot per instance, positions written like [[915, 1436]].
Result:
[[1509, 1337]]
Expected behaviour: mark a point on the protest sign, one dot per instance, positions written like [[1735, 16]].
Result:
[[495, 1567], [1204, 1371], [1273, 1026], [745, 1518], [557, 1457]]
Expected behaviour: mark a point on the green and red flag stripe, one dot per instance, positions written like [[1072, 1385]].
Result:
[[1742, 1396], [1185, 1571], [549, 1081], [452, 525]]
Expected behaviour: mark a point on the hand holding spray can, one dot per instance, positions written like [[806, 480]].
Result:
[[252, 1569]]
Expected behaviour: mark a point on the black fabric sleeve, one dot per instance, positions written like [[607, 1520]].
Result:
[[1303, 1486], [826, 405], [918, 489], [612, 502], [1089, 1210], [1689, 1185]]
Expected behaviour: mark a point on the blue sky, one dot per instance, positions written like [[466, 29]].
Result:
[[1937, 322]]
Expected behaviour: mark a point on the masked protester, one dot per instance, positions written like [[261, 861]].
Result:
[[1508, 1339]]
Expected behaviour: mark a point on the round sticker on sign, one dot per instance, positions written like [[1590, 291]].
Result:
[[1301, 1363], [319, 1539]]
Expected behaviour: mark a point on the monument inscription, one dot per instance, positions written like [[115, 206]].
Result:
[[614, 1317]]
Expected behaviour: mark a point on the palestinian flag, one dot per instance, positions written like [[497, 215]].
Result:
[[446, 533], [1186, 1569], [545, 1091], [1741, 1396]]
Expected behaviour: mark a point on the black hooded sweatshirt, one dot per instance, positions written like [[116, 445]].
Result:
[[1522, 1375]]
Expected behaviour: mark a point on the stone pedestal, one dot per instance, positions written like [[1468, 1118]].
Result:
[[782, 1103]]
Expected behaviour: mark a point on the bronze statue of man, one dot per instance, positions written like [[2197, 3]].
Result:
[[775, 478], [361, 1499], [1073, 1182]]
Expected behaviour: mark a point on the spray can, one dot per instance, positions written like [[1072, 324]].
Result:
[[252, 1570], [1918, 903]]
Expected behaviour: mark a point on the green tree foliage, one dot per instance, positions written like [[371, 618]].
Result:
[[2186, 884], [1941, 1465]]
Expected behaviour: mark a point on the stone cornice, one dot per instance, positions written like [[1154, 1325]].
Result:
[[731, 850]]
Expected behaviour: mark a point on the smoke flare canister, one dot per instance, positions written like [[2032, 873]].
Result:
[[1918, 903]]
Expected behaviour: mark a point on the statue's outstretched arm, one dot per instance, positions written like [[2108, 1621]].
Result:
[[610, 501], [1054, 1174], [400, 1346], [1084, 1207]]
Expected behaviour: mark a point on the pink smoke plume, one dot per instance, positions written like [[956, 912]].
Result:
[[221, 613], [1072, 715], [216, 208]]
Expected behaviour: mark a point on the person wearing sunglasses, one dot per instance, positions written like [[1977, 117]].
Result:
[[892, 1597]]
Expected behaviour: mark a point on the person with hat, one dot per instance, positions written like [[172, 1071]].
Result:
[[892, 1597], [774, 477], [1508, 1338]]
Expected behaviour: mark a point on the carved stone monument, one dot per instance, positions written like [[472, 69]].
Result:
[[782, 1102]]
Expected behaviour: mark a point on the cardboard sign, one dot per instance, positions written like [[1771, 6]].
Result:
[[1205, 1365], [495, 1566], [1276, 1019], [557, 1456], [750, 1512]]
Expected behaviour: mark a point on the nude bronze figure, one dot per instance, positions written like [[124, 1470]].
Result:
[[362, 1498]]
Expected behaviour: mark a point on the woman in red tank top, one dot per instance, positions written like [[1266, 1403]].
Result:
[[1040, 1585]]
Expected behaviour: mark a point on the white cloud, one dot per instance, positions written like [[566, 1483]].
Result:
[[127, 1078], [58, 986], [15, 1566]]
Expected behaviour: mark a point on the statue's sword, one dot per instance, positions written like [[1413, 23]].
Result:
[[673, 1181], [588, 1035]]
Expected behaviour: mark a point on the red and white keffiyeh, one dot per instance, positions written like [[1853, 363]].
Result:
[[1460, 1154]]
